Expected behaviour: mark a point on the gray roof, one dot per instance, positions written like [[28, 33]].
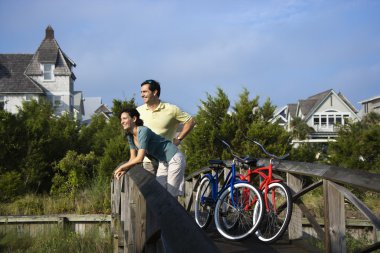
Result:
[[50, 52], [321, 95], [347, 102], [369, 100], [90, 106], [16, 69], [12, 76], [292, 109], [307, 105]]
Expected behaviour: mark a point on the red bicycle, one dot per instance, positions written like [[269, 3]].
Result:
[[277, 197]]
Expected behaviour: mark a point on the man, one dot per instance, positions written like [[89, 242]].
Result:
[[163, 119]]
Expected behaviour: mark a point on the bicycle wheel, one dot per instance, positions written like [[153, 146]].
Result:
[[277, 218], [230, 221], [203, 203], [234, 211]]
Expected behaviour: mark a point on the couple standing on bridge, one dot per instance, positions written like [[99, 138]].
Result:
[[151, 133]]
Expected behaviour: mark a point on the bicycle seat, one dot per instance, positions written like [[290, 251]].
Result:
[[216, 164], [250, 161]]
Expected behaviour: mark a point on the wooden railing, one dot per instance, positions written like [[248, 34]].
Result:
[[34, 225], [332, 179], [146, 218]]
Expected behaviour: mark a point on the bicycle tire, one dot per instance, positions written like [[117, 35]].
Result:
[[276, 221], [203, 200], [241, 205]]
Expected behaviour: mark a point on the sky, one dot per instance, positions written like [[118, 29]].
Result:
[[285, 50]]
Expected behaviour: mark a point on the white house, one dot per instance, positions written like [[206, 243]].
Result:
[[46, 73], [325, 112], [370, 105]]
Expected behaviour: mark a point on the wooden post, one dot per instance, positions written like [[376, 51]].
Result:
[[376, 234], [335, 225], [62, 222], [295, 226]]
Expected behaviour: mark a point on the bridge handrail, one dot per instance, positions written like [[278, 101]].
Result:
[[142, 210], [357, 178], [332, 179]]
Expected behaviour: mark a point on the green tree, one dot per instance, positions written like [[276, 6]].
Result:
[[47, 138], [75, 171], [358, 145], [116, 151], [273, 137], [305, 152], [12, 142], [300, 129], [267, 110], [213, 121], [242, 118], [10, 185], [91, 136]]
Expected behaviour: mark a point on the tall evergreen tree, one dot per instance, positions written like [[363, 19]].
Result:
[[300, 129], [242, 118], [213, 122], [358, 145]]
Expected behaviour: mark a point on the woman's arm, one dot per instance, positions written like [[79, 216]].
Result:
[[136, 157]]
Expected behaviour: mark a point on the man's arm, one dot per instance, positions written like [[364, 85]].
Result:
[[187, 127]]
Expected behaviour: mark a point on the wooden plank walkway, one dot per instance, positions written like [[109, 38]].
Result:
[[251, 245]]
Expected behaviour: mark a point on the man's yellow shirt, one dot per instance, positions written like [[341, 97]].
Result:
[[164, 120]]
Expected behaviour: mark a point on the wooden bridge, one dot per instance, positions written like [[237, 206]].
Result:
[[143, 213]]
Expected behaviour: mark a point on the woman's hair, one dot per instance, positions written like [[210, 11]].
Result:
[[132, 112]]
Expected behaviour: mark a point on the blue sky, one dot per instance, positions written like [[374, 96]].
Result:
[[282, 49]]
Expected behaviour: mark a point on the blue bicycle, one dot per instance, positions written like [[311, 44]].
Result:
[[237, 206]]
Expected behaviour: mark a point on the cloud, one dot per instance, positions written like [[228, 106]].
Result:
[[285, 50]]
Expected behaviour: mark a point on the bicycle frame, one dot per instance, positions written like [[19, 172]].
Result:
[[214, 179], [264, 184]]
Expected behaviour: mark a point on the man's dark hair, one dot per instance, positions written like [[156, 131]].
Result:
[[153, 85]]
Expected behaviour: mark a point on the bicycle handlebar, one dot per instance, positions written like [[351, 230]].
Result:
[[266, 152], [230, 150]]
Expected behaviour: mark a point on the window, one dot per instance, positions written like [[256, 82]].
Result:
[[346, 118], [57, 101], [48, 70], [323, 120], [2, 102], [331, 120], [316, 120], [28, 97], [339, 119]]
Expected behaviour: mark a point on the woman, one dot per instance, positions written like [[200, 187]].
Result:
[[144, 142]]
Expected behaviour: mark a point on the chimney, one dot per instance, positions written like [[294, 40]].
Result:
[[49, 33]]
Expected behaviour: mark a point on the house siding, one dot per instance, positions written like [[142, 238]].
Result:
[[23, 74], [373, 106], [14, 102], [61, 86], [331, 106]]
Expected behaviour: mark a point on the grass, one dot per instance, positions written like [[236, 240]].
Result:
[[56, 240], [315, 203], [95, 199]]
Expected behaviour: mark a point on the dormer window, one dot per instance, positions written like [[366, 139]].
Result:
[[48, 70]]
